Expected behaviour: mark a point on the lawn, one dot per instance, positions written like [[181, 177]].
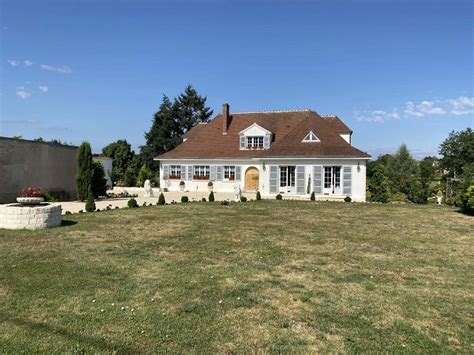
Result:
[[270, 275]]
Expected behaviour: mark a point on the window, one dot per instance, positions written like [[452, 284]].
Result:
[[201, 172], [175, 172], [327, 177], [229, 173], [255, 142], [311, 137]]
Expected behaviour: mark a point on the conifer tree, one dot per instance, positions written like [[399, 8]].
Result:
[[84, 172]]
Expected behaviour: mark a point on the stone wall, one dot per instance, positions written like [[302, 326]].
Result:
[[12, 216], [24, 163]]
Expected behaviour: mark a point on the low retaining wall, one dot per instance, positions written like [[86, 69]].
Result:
[[12, 216]]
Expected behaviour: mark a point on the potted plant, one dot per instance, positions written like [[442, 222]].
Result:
[[30, 196], [210, 185], [182, 184]]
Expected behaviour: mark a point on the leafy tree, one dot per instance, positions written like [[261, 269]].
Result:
[[427, 174], [122, 154], [457, 152], [145, 174], [401, 171], [379, 186], [85, 171], [129, 178], [99, 183], [90, 204]]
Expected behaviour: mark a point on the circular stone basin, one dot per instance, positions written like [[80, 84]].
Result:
[[18, 216]]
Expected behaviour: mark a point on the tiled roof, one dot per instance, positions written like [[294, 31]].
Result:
[[288, 128]]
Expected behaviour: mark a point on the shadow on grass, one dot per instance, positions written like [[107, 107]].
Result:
[[67, 223], [47, 329]]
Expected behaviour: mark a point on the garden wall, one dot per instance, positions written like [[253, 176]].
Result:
[[24, 163]]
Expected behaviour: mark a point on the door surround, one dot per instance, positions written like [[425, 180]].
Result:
[[252, 178]]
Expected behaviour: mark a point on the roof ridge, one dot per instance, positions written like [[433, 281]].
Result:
[[335, 116], [270, 111]]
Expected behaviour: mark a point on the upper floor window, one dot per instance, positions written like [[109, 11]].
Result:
[[175, 172], [255, 142], [201, 172], [311, 137]]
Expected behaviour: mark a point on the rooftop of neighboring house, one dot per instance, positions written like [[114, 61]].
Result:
[[292, 133]]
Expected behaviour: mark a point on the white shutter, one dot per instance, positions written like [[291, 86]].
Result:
[[347, 180], [318, 179], [183, 172], [300, 180], [166, 172], [273, 179], [266, 141], [242, 141], [190, 172], [237, 173], [212, 174], [219, 175]]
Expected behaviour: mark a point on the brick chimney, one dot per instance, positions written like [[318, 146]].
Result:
[[226, 120]]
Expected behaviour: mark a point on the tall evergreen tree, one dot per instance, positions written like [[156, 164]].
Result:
[[401, 171], [379, 186], [84, 172], [191, 109], [99, 183]]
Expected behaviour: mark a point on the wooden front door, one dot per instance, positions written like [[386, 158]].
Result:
[[251, 179]]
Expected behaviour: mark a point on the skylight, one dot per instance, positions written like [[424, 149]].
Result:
[[311, 137]]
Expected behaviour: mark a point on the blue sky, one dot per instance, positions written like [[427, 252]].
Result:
[[394, 71]]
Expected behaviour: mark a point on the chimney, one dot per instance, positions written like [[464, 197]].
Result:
[[226, 120]]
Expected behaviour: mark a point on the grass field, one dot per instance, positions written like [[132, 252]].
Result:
[[269, 275]]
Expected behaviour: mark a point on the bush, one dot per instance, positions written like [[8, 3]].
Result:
[[398, 197], [47, 196], [210, 184], [258, 197], [161, 199], [184, 199], [99, 183], [347, 199], [90, 204], [279, 197], [225, 203], [68, 212], [144, 204], [312, 197], [203, 199], [132, 203], [129, 177], [211, 196], [243, 199], [467, 203]]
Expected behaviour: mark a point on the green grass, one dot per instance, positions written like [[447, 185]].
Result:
[[278, 276]]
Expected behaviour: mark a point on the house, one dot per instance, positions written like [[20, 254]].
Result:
[[288, 152]]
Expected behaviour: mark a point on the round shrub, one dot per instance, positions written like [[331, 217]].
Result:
[[279, 197], [184, 199], [243, 199], [258, 197], [225, 203], [132, 203], [203, 199], [347, 199], [161, 199], [211, 196], [312, 197]]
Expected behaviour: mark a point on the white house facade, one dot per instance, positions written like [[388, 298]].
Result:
[[292, 153]]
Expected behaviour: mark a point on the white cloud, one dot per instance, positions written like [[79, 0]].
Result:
[[27, 63], [23, 92], [423, 108], [43, 88], [376, 115], [63, 70], [13, 62], [462, 105], [410, 110]]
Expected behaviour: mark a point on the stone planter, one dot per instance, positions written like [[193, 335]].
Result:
[[31, 201], [18, 216]]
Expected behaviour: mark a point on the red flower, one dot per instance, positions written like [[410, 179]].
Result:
[[31, 192]]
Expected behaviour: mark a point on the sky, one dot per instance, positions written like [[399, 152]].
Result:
[[80, 70]]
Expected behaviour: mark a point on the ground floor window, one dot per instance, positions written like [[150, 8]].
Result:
[[332, 179], [287, 178], [175, 172], [229, 173], [201, 172]]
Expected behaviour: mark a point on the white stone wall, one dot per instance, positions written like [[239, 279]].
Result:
[[358, 175], [45, 216]]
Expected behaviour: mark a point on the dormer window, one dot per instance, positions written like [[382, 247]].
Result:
[[311, 138], [255, 142]]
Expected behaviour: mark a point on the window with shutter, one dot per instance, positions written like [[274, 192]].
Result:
[[166, 172], [237, 172], [273, 179], [219, 173], [183, 172], [242, 141], [300, 180]]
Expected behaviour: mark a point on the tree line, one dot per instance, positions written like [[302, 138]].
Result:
[[399, 177]]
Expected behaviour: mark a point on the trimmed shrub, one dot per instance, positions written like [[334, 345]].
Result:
[[184, 199], [211, 196], [90, 204], [347, 199], [132, 203], [279, 197], [312, 197], [99, 183], [258, 197], [243, 199], [225, 203], [398, 197], [47, 196], [161, 199], [84, 171], [68, 212], [144, 204], [203, 199]]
